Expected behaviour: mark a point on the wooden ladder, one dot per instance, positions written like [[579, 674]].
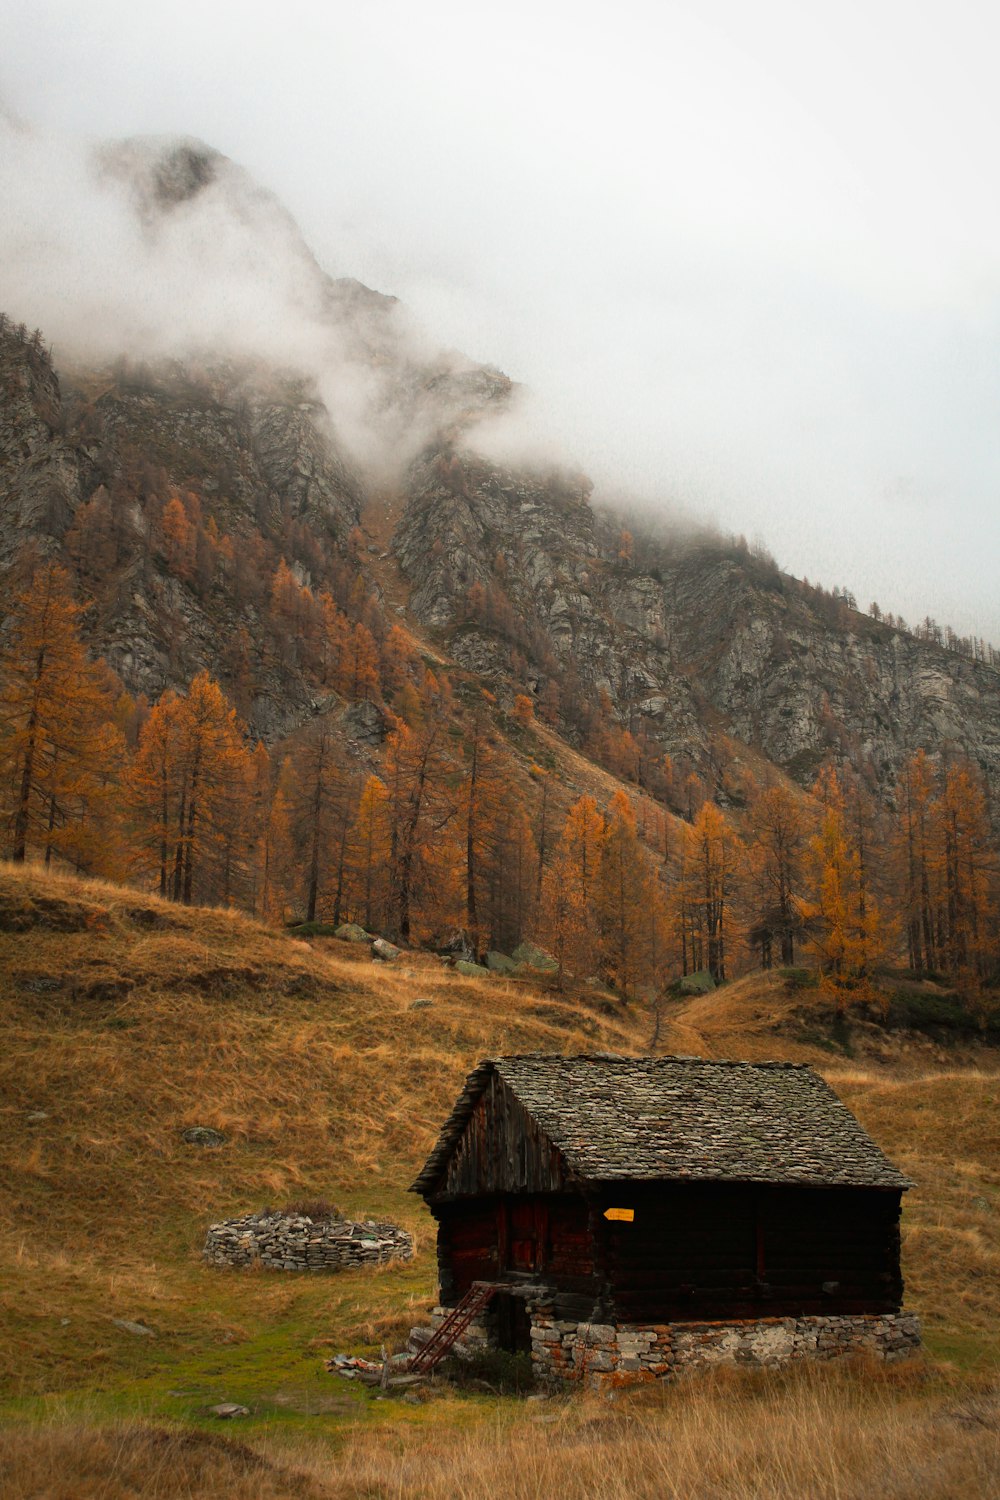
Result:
[[444, 1337]]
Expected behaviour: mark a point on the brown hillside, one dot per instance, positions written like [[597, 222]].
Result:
[[127, 1020]]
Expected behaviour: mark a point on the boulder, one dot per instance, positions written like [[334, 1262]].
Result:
[[530, 956], [471, 970], [203, 1135], [385, 951], [457, 946], [500, 963], [350, 932], [699, 983]]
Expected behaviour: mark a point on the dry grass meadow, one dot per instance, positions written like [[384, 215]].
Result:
[[125, 1020]]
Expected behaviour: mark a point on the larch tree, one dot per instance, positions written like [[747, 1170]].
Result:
[[370, 851], [507, 903], [320, 798], [570, 888], [846, 924], [626, 897], [777, 849], [420, 779], [190, 792], [270, 834], [967, 866], [483, 794], [714, 857], [60, 750], [914, 846]]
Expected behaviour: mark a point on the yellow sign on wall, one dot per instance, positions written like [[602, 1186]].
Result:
[[626, 1215]]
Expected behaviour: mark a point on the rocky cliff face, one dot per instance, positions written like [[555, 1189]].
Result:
[[39, 469], [256, 455], [711, 642]]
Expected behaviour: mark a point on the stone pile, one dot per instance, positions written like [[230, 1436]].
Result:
[[295, 1242]]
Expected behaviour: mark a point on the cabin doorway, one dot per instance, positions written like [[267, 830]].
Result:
[[512, 1323], [523, 1227]]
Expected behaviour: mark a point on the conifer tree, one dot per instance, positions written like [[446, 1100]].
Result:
[[967, 868], [627, 897], [419, 777], [59, 746], [320, 798], [370, 851], [189, 792], [715, 854], [570, 888], [777, 848], [846, 920]]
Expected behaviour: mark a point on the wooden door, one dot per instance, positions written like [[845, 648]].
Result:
[[527, 1234]]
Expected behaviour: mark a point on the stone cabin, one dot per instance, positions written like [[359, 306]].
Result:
[[634, 1215]]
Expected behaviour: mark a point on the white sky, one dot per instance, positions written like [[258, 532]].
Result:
[[747, 256]]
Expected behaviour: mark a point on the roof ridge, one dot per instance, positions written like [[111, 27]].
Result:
[[645, 1057]]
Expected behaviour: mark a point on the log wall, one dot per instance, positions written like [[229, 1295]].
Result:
[[698, 1250], [501, 1150], [717, 1250]]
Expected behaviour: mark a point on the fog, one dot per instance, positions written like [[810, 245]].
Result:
[[745, 259]]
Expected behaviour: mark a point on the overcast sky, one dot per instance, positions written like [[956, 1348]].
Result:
[[746, 256]]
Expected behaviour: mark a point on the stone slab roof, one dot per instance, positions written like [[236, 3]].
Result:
[[680, 1119]]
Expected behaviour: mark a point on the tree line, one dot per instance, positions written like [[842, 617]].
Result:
[[452, 823]]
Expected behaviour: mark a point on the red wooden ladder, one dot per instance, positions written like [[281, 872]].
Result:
[[444, 1337]]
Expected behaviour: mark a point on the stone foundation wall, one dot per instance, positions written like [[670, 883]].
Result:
[[293, 1242], [599, 1353]]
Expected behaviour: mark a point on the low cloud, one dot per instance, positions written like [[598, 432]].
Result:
[[161, 249]]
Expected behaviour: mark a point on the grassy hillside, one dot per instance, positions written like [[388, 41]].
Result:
[[126, 1020]]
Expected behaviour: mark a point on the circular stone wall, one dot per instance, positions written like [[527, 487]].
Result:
[[294, 1242]]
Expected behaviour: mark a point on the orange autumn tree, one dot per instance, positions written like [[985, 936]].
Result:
[[508, 872], [396, 659], [359, 673], [269, 833], [776, 852], [627, 902], [178, 538], [320, 796], [369, 854], [966, 869], [569, 889], [422, 806], [914, 843], [60, 750], [189, 791], [707, 867], [845, 920]]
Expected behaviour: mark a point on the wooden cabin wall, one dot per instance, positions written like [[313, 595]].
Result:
[[730, 1250], [468, 1247], [546, 1237], [501, 1150]]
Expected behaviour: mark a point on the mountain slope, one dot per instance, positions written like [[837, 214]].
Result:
[[330, 404]]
